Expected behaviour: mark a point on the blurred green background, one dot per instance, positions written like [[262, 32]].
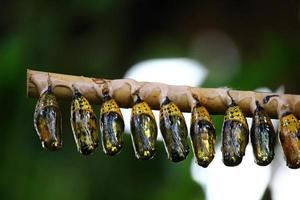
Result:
[[104, 39]]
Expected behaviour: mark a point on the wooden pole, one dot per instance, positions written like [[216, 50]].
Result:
[[214, 99]]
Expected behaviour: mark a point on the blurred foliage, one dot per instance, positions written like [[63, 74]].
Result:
[[104, 38]]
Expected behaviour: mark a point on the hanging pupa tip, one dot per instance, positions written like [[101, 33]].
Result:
[[166, 101]]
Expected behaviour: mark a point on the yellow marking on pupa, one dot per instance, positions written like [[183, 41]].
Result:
[[235, 113], [110, 106], [201, 113], [142, 107]]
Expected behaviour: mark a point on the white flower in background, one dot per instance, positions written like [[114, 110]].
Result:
[[173, 71]]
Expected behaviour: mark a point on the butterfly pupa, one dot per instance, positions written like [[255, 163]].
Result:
[[174, 131], [262, 136], [143, 129], [203, 135], [235, 135], [111, 126], [84, 124], [289, 133], [48, 121]]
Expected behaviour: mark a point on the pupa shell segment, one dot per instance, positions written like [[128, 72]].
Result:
[[235, 136], [203, 135], [84, 124], [48, 121], [174, 131], [111, 126], [262, 137]]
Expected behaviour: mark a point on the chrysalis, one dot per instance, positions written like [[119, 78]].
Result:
[[47, 121], [289, 134], [174, 131], [203, 135], [84, 124], [111, 126], [262, 136], [143, 130], [235, 135]]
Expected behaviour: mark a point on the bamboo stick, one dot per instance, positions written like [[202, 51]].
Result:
[[214, 99]]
